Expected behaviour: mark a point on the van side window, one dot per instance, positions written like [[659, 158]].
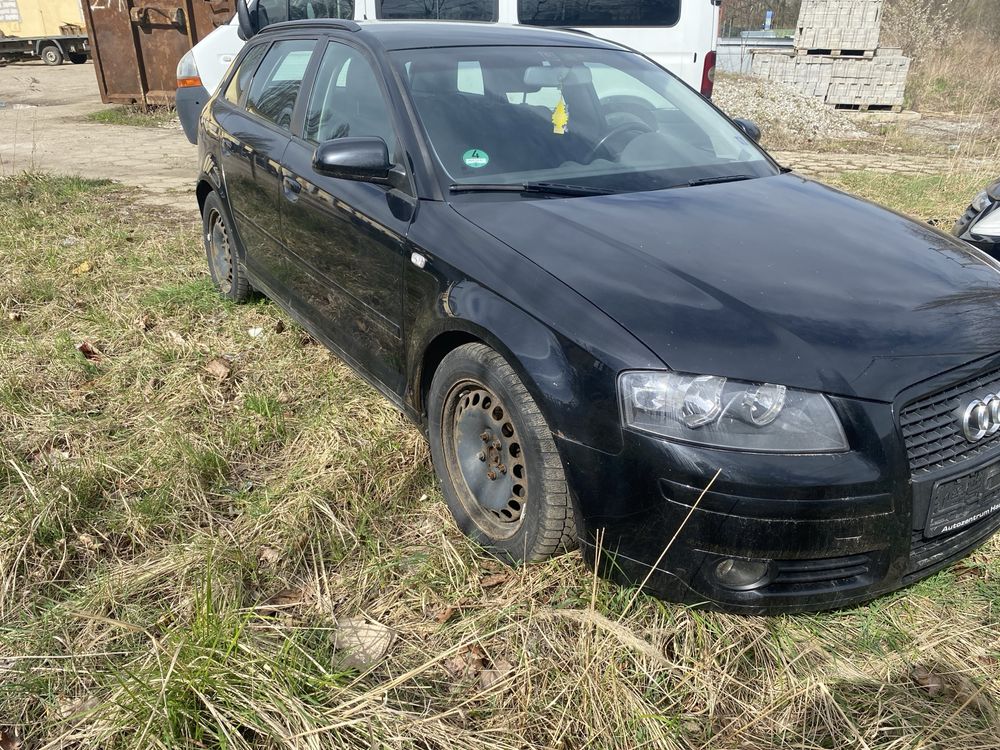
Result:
[[599, 12], [443, 10], [271, 11], [347, 100], [277, 81], [299, 10], [239, 82]]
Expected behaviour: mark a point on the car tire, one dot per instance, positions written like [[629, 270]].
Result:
[[52, 55], [500, 471], [78, 58], [224, 265]]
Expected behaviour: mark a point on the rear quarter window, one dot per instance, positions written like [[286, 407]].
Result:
[[445, 10], [599, 12], [241, 79]]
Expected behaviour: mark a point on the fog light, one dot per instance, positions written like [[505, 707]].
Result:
[[743, 574]]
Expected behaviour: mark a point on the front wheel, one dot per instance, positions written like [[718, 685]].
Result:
[[224, 264], [500, 471], [52, 55]]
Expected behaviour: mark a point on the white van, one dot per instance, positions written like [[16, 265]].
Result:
[[678, 34]]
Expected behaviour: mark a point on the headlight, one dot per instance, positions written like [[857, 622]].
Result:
[[724, 413]]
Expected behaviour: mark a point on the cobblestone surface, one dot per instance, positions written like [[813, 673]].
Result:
[[43, 127]]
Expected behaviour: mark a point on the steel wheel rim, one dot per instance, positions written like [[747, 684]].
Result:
[[485, 458], [219, 254]]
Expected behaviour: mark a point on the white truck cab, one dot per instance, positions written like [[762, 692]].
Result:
[[680, 35]]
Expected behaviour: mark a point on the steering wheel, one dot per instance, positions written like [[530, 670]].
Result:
[[637, 126]]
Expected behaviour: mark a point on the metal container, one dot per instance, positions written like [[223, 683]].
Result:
[[136, 44]]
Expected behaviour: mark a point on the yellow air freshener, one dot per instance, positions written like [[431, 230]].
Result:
[[560, 118]]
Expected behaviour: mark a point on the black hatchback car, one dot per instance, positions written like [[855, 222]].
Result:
[[619, 321]]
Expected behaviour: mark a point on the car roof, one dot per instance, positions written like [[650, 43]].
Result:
[[395, 35]]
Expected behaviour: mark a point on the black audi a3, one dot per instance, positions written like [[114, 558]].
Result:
[[619, 321]]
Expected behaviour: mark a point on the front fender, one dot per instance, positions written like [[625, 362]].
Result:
[[567, 352]]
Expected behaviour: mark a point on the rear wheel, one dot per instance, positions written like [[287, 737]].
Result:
[[77, 58], [500, 471], [52, 55], [224, 265]]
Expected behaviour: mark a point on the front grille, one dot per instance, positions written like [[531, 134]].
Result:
[[928, 554], [931, 429]]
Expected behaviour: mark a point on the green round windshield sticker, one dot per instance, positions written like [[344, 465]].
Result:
[[475, 158]]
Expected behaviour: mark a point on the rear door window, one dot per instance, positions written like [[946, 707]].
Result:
[[277, 81], [599, 12], [445, 10]]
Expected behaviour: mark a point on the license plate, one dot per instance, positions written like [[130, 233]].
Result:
[[956, 503]]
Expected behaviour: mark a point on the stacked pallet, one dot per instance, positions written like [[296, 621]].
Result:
[[836, 57]]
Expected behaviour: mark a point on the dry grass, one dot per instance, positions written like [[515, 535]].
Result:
[[176, 548]]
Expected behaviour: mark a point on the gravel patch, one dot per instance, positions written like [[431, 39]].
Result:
[[783, 114]]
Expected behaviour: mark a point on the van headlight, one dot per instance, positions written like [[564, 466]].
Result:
[[725, 413]]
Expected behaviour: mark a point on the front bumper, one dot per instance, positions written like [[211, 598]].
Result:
[[190, 101], [836, 529]]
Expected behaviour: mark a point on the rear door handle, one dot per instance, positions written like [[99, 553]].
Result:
[[292, 188]]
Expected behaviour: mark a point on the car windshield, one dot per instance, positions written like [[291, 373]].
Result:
[[604, 119]]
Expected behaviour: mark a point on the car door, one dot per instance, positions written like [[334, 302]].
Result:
[[349, 237], [255, 134]]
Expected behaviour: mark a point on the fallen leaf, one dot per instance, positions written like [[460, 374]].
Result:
[[144, 322], [445, 614], [279, 327], [281, 601], [88, 542], [499, 672], [85, 267], [175, 337], [951, 686], [269, 555], [14, 315], [218, 368], [89, 351], [494, 579], [9, 740], [469, 662], [255, 332], [360, 644]]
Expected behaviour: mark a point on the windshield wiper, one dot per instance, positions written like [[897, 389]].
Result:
[[716, 180], [550, 188]]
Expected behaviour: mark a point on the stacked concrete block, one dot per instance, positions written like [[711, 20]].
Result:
[[837, 58], [838, 25]]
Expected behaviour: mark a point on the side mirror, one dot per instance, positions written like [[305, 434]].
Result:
[[365, 159], [749, 127], [246, 19]]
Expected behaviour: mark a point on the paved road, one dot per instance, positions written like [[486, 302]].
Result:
[[43, 127]]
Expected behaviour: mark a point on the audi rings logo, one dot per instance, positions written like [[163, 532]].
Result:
[[981, 418]]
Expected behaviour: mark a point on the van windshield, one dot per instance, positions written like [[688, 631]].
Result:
[[604, 119], [599, 12]]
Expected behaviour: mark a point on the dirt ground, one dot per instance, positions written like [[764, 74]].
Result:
[[43, 127]]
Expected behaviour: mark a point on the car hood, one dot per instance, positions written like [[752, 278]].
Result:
[[777, 279]]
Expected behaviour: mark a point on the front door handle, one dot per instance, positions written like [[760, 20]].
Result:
[[292, 188]]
